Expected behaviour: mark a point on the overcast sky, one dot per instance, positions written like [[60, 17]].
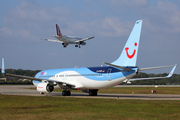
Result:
[[24, 22]]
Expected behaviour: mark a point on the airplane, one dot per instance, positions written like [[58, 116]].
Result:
[[66, 40], [91, 79]]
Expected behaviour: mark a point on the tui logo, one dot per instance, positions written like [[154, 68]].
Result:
[[130, 56]]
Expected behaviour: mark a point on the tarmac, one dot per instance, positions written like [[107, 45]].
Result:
[[26, 91]]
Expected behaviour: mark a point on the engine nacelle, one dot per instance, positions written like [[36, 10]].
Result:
[[83, 43], [45, 88]]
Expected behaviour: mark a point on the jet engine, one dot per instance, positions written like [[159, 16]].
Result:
[[83, 43], [45, 88]]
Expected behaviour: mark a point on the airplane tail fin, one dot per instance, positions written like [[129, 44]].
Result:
[[2, 70], [58, 31], [128, 56]]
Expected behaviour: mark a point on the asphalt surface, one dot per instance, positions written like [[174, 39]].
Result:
[[24, 90]]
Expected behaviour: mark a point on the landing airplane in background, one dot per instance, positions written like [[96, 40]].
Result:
[[66, 40], [91, 79]]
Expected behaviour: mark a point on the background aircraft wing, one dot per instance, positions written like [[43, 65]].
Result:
[[168, 76], [53, 40], [84, 39]]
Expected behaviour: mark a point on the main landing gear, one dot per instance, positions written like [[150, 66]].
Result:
[[66, 93], [93, 92]]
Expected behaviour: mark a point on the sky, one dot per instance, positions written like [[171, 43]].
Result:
[[23, 23]]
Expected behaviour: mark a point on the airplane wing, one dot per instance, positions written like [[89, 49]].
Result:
[[53, 40], [168, 76], [84, 39], [38, 79]]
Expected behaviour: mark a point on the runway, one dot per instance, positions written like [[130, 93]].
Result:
[[24, 90]]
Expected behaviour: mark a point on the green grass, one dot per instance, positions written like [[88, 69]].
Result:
[[142, 90], [28, 107], [136, 90]]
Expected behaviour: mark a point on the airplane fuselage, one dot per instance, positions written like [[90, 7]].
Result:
[[87, 77]]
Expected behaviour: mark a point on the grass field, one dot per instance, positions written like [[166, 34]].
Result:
[[136, 90], [67, 108]]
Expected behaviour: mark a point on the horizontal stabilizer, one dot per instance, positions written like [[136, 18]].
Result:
[[168, 76], [124, 68], [52, 40], [141, 69]]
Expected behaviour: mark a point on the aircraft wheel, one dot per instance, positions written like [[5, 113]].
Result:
[[68, 93], [64, 93], [90, 93], [76, 45], [93, 93]]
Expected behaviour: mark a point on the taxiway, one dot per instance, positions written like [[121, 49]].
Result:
[[24, 90]]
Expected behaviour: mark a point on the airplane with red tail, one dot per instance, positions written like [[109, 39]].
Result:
[[66, 40]]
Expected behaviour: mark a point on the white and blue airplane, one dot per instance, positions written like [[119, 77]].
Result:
[[91, 79], [66, 40]]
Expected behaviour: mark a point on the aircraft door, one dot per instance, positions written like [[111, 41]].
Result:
[[64, 76], [109, 74]]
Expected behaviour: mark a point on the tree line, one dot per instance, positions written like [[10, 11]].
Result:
[[175, 79], [12, 81]]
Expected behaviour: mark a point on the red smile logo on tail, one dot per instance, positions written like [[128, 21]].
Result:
[[130, 56]]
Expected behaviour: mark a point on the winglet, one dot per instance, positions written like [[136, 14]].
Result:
[[2, 70], [58, 31], [172, 71]]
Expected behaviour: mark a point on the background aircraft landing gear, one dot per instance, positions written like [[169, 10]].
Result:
[[66, 93], [78, 45]]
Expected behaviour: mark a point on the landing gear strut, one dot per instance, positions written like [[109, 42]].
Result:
[[66, 93]]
